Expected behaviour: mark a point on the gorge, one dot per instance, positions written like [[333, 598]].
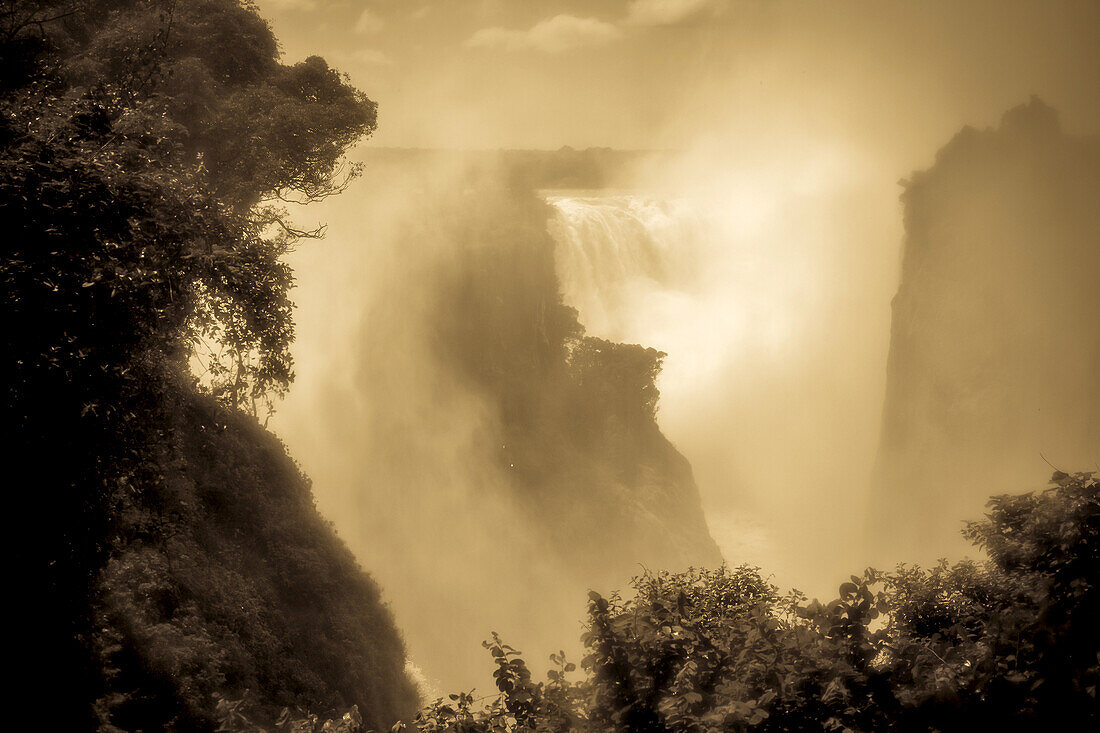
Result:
[[346, 397]]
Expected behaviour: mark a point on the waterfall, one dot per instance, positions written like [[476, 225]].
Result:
[[619, 256]]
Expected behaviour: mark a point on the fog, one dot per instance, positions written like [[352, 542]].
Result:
[[394, 440], [773, 232]]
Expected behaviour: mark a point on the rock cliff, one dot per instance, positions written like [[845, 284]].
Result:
[[576, 414], [994, 365]]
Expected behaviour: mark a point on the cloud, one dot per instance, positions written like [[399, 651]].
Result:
[[288, 5], [554, 35], [369, 23], [368, 57], [672, 12]]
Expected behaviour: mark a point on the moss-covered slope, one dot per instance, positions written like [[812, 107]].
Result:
[[224, 580]]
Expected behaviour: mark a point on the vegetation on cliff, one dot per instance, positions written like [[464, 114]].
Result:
[[576, 415], [146, 149]]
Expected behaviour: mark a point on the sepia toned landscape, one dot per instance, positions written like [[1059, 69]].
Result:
[[617, 365]]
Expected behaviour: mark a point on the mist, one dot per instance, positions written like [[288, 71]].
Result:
[[558, 365], [394, 439], [777, 333], [760, 248]]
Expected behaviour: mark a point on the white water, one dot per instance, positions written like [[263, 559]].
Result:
[[620, 257]]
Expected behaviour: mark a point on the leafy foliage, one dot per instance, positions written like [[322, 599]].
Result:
[[228, 580], [1009, 644], [233, 717], [147, 148], [145, 151]]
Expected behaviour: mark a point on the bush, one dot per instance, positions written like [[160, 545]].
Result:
[[1007, 644]]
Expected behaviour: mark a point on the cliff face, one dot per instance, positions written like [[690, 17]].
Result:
[[221, 579], [575, 415], [994, 363]]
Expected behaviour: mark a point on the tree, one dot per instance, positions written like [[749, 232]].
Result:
[[1008, 644], [162, 137], [146, 150]]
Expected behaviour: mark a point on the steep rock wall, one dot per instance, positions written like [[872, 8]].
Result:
[[994, 364], [576, 415]]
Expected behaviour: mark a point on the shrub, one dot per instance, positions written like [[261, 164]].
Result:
[[1006, 644]]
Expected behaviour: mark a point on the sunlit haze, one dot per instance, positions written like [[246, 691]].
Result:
[[759, 246]]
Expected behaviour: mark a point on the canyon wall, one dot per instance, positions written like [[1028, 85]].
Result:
[[994, 366]]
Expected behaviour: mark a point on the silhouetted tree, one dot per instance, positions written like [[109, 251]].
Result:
[[1008, 644], [146, 150]]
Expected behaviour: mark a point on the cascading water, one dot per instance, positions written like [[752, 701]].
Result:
[[619, 257]]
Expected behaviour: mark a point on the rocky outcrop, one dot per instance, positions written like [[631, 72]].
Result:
[[576, 415], [994, 365]]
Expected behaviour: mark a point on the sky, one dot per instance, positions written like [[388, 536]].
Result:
[[899, 74]]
